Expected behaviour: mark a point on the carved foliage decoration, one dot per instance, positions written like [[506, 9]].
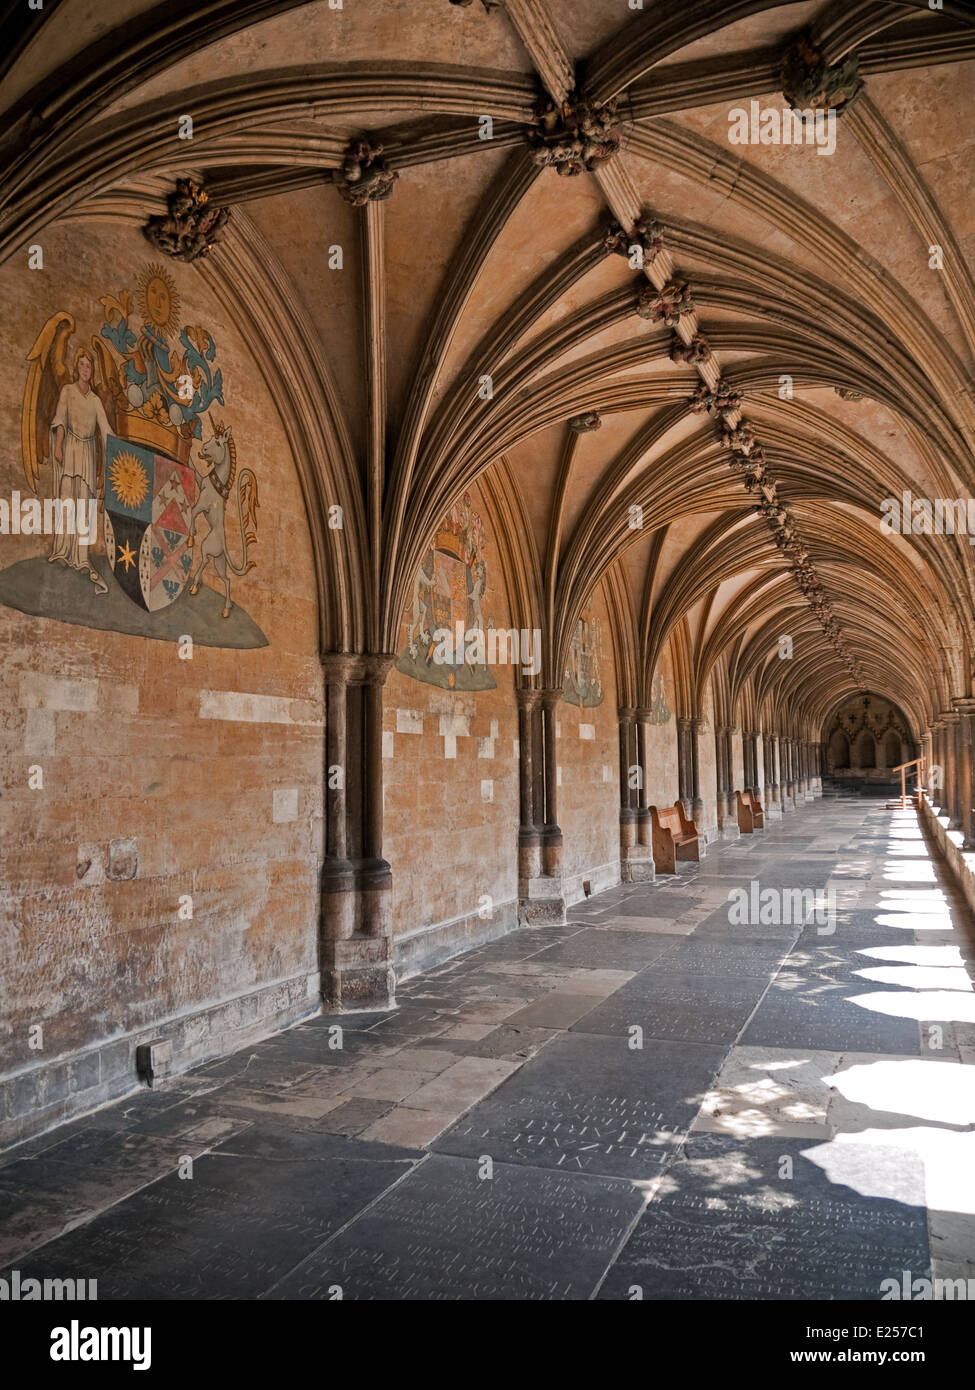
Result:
[[809, 81], [585, 423], [191, 227], [364, 177], [647, 235], [697, 350], [574, 136], [667, 305]]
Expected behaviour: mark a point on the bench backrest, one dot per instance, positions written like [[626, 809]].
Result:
[[668, 819]]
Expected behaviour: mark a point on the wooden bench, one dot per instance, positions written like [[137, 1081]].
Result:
[[751, 813], [674, 837]]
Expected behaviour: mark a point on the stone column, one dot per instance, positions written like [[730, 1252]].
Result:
[[721, 737], [684, 771], [643, 803], [927, 749], [731, 800], [356, 935], [938, 761], [541, 895], [789, 773], [552, 834], [756, 787], [697, 803], [628, 830], [954, 796], [636, 855], [529, 829], [966, 730], [768, 797]]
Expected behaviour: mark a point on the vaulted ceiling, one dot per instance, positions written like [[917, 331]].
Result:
[[482, 305]]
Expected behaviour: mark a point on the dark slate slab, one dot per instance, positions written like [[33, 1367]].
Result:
[[250, 1213], [686, 1006], [718, 924], [506, 1041], [728, 1225], [606, 949], [589, 1104], [827, 1016], [445, 1233], [710, 955]]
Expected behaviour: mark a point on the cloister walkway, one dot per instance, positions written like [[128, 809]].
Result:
[[658, 1099]]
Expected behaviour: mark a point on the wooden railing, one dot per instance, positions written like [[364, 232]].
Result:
[[918, 763]]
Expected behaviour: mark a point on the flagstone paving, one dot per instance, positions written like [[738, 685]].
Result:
[[655, 1100]]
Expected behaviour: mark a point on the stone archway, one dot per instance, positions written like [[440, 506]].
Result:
[[839, 750]]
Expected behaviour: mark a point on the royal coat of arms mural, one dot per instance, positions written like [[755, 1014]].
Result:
[[117, 425], [582, 684], [448, 593], [659, 709]]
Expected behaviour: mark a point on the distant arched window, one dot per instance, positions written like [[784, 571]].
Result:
[[892, 749], [839, 749]]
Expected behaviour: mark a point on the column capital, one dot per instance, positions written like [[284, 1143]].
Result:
[[949, 718], [550, 697], [626, 712], [527, 696], [357, 668]]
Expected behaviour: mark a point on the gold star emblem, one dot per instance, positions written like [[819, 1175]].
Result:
[[127, 556]]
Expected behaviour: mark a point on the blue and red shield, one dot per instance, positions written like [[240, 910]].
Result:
[[148, 502]]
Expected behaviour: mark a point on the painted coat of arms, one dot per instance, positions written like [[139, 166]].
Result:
[[582, 684], [659, 709], [116, 424], [447, 598]]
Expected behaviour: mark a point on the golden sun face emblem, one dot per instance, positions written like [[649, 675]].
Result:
[[159, 300], [129, 481]]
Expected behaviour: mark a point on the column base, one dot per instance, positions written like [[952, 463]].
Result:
[[637, 866], [541, 902], [357, 974]]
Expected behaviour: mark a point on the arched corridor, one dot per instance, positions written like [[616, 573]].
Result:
[[487, 483], [801, 1065]]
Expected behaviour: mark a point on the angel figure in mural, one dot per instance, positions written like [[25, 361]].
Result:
[[67, 425]]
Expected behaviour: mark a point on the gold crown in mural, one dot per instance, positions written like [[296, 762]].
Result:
[[161, 436], [452, 543]]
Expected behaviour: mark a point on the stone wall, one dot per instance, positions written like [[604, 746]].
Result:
[[662, 774], [589, 773], [450, 768], [140, 787]]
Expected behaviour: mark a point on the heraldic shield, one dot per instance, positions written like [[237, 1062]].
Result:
[[148, 502]]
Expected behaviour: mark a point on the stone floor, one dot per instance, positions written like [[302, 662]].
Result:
[[656, 1100]]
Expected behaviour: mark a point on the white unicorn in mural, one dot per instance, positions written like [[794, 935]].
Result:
[[216, 483]]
